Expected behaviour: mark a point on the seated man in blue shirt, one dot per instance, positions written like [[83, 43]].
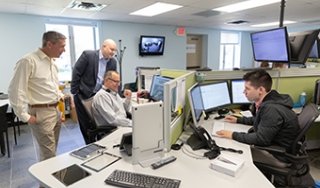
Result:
[[108, 107]]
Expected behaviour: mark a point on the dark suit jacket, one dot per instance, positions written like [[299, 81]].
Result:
[[85, 73]]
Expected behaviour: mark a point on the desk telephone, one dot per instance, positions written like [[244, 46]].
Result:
[[201, 139]]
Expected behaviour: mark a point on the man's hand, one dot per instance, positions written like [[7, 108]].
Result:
[[127, 93], [230, 119], [32, 120], [225, 134]]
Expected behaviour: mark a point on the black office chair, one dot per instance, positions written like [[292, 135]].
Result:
[[95, 132], [296, 173], [13, 121], [4, 129]]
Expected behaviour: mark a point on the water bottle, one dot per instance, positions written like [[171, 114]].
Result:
[[303, 98]]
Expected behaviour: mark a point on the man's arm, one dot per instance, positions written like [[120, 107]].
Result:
[[268, 127], [78, 70], [103, 109], [18, 89], [127, 102]]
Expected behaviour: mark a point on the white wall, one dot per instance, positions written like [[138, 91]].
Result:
[[22, 34]]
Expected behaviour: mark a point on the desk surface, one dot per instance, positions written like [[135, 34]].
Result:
[[5, 101], [192, 172]]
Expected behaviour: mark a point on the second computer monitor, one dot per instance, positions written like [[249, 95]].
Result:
[[237, 95], [195, 101], [215, 95], [156, 89]]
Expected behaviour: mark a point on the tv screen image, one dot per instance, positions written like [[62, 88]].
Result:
[[271, 45], [151, 45]]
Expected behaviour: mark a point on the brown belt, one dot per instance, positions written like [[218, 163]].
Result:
[[43, 105]]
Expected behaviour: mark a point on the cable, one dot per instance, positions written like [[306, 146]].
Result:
[[191, 153]]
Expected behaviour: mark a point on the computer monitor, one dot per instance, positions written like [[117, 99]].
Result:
[[156, 89], [237, 95], [301, 44], [195, 101], [215, 95], [316, 94], [315, 50], [271, 45]]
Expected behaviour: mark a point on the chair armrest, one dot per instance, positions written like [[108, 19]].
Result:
[[296, 158], [280, 151], [272, 149]]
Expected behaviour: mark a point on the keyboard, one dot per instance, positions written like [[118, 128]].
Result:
[[131, 179]]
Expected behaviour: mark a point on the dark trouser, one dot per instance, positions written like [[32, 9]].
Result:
[[83, 118]]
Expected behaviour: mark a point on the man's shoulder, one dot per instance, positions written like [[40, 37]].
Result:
[[91, 52]]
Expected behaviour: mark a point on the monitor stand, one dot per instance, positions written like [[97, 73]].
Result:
[[196, 143]]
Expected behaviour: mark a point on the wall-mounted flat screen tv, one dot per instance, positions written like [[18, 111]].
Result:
[[151, 45], [271, 45]]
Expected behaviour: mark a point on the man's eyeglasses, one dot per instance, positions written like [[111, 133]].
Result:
[[115, 81]]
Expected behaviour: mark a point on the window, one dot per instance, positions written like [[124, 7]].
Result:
[[229, 50], [80, 38]]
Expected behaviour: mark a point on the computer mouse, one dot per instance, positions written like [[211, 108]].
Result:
[[223, 111]]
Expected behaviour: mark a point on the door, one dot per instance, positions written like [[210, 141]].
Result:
[[194, 51]]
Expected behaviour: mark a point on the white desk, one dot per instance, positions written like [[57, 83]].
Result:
[[192, 172]]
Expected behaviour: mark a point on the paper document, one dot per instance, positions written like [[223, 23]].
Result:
[[246, 113], [217, 126]]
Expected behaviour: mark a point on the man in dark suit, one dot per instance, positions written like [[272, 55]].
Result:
[[87, 78]]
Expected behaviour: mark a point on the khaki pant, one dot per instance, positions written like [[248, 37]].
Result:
[[46, 130]]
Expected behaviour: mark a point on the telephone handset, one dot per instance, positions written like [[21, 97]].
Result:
[[201, 139]]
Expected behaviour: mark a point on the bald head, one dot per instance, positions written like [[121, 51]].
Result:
[[108, 48]]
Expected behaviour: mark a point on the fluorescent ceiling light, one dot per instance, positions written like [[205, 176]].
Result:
[[155, 9], [273, 24], [245, 5]]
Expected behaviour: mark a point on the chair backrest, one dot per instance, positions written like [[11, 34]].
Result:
[[306, 118], [3, 117], [87, 103]]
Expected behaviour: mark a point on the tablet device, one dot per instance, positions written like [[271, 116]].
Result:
[[101, 161], [88, 151], [71, 174]]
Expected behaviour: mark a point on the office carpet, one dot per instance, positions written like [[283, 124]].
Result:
[[14, 171]]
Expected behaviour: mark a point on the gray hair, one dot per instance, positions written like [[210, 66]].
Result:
[[52, 36]]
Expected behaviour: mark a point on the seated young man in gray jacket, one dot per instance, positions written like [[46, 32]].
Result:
[[108, 107], [274, 122]]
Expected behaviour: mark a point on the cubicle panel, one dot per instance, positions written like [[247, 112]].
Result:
[[173, 73], [295, 85], [227, 75], [174, 127]]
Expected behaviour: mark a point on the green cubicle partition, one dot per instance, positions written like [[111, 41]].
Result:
[[174, 126]]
